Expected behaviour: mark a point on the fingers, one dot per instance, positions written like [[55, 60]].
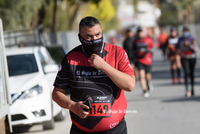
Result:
[[96, 61], [82, 114], [83, 106], [92, 57]]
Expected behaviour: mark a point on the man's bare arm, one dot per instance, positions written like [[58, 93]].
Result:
[[63, 101], [122, 80]]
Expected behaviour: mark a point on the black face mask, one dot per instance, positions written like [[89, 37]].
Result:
[[91, 47]]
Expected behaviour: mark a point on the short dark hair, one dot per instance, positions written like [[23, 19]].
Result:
[[139, 29], [172, 29], [128, 30], [88, 21], [185, 28]]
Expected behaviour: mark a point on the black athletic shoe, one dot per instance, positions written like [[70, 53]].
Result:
[[192, 92]]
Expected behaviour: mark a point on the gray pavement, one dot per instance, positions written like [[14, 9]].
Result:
[[165, 111]]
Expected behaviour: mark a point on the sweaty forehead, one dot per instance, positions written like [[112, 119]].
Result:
[[91, 30]]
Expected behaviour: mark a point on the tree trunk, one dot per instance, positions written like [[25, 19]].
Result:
[[54, 19], [34, 22], [74, 15]]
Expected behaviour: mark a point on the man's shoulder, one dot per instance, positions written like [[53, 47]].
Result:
[[147, 38], [112, 47], [125, 41], [75, 53], [191, 37], [137, 40], [76, 49]]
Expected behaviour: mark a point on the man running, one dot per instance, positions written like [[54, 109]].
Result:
[[128, 47], [162, 42], [97, 74], [142, 48]]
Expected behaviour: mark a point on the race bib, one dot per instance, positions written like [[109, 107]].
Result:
[[100, 106], [173, 41]]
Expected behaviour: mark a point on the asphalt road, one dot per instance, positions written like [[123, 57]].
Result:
[[165, 111]]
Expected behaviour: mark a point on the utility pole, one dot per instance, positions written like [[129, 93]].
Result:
[[54, 19]]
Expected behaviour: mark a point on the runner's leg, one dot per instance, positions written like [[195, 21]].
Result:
[[148, 78], [173, 67], [185, 65], [178, 63], [136, 71], [142, 79], [192, 77]]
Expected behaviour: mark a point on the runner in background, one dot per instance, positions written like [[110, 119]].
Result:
[[162, 42], [128, 47], [142, 49], [112, 40], [173, 55], [188, 47]]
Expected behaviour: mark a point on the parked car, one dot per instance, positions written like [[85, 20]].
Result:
[[31, 75], [5, 98]]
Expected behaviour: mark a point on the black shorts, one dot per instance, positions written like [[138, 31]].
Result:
[[132, 62], [119, 129], [146, 68]]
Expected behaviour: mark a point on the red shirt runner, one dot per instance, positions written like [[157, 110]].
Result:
[[142, 47]]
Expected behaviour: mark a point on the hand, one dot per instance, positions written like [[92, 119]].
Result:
[[77, 108], [186, 42], [170, 45], [97, 62]]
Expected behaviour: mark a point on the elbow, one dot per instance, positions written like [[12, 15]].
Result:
[[53, 95], [131, 87]]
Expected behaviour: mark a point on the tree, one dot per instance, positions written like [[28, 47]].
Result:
[[175, 12], [77, 4], [186, 10], [56, 15], [104, 12], [19, 13], [135, 3], [169, 14], [54, 18]]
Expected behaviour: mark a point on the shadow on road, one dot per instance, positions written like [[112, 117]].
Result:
[[197, 72], [182, 99], [165, 74], [167, 84], [165, 99], [155, 98], [22, 129], [162, 74], [160, 63]]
